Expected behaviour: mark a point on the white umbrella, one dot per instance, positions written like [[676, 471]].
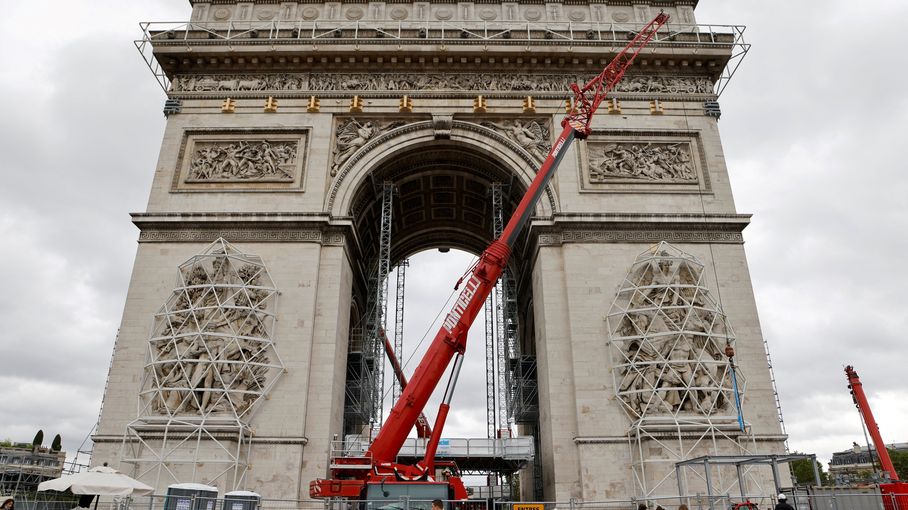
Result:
[[101, 481]]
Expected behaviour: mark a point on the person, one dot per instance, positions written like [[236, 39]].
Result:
[[641, 506], [437, 505], [8, 504], [783, 503], [682, 507]]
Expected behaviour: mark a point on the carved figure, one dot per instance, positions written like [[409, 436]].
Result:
[[649, 162], [220, 360], [243, 160], [434, 81], [352, 135], [669, 337], [532, 136]]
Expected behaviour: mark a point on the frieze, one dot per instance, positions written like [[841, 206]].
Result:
[[238, 82], [652, 162], [491, 82], [243, 160], [156, 235]]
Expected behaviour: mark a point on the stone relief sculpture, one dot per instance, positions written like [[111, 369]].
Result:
[[211, 350], [351, 135], [665, 162], [532, 135], [240, 82], [501, 82], [244, 160], [667, 339]]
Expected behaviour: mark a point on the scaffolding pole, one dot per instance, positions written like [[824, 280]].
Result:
[[504, 321], [381, 301], [491, 410], [399, 321]]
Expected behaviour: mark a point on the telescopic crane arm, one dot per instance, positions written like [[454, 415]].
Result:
[[860, 400], [451, 338], [450, 341]]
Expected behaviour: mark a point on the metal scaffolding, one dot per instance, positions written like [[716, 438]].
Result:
[[671, 351], [210, 362], [399, 322], [502, 321], [156, 35], [364, 389], [491, 409]]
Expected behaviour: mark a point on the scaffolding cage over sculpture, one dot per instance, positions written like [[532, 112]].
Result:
[[211, 360], [670, 345]]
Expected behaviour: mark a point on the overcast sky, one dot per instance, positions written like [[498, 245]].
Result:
[[813, 126]]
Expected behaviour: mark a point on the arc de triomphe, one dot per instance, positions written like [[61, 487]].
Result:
[[240, 354]]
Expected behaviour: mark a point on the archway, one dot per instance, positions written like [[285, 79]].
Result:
[[443, 199]]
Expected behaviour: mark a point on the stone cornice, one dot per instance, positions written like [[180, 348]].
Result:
[[639, 228], [241, 227]]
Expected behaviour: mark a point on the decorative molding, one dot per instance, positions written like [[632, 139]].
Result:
[[640, 228], [196, 235], [238, 82], [638, 236], [189, 85]]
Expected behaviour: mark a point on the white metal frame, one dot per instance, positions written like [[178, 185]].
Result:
[[211, 360], [667, 346], [612, 35]]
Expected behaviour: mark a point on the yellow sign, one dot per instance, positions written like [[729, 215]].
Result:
[[528, 506]]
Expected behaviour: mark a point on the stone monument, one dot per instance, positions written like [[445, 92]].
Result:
[[240, 358]]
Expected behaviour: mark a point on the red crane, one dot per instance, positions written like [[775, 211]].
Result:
[[897, 490], [377, 475]]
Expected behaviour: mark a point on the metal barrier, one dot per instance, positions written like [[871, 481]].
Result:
[[829, 499]]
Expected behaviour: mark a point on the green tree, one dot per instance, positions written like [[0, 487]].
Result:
[[900, 462], [803, 472], [57, 444], [39, 438]]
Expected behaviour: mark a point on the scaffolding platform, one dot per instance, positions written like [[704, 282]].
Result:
[[505, 455]]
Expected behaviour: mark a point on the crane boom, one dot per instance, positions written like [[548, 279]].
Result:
[[450, 341], [860, 400]]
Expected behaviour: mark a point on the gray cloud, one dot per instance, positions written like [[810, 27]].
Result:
[[812, 128]]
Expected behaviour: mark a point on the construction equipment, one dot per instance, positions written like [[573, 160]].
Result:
[[376, 476], [895, 493]]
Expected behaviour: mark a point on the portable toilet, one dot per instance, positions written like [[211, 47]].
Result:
[[241, 500], [191, 496]]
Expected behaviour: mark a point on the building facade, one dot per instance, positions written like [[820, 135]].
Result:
[[310, 146], [23, 466], [859, 464]]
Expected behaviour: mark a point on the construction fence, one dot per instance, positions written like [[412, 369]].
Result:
[[862, 499]]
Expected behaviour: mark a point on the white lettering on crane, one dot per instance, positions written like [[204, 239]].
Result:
[[557, 148], [461, 305]]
